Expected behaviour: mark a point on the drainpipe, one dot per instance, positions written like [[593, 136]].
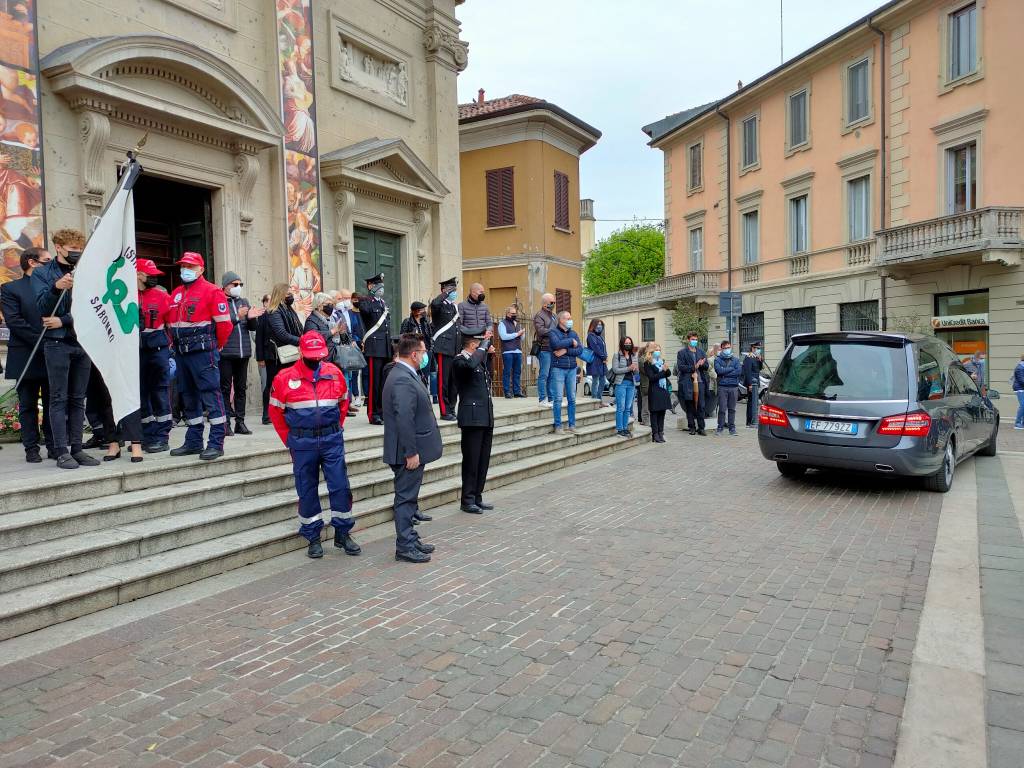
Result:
[[883, 165], [728, 207]]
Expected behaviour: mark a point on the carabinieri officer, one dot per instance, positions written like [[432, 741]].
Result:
[[444, 327], [308, 405], [476, 419], [200, 325], [376, 343]]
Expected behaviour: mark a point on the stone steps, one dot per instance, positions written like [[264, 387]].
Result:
[[72, 559]]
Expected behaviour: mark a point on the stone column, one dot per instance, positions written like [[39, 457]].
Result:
[[344, 207]]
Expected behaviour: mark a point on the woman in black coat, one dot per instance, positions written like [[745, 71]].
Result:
[[282, 328], [319, 320], [659, 395]]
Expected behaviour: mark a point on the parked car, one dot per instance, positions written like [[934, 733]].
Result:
[[877, 402], [588, 387]]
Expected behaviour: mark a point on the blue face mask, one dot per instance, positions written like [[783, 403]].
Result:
[[757, 353], [452, 295], [568, 325], [424, 361], [693, 342], [727, 352], [188, 275], [656, 355], [599, 328]]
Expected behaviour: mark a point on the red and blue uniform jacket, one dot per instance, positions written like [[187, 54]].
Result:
[[198, 317], [306, 407], [153, 306]]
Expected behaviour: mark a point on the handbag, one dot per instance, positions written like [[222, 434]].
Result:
[[350, 358], [287, 353], [535, 348], [587, 355]]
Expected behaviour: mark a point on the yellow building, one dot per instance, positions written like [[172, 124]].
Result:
[[519, 160]]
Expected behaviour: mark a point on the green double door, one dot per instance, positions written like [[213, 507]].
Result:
[[377, 252]]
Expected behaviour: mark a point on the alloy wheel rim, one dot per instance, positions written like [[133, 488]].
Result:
[[948, 463]]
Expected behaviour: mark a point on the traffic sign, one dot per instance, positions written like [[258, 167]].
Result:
[[730, 303]]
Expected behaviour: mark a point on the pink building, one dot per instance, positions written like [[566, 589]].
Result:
[[870, 182]]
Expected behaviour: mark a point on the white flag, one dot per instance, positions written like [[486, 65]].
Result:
[[105, 299]]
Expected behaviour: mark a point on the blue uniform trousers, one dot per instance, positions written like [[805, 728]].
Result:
[[198, 383], [155, 378], [309, 455]]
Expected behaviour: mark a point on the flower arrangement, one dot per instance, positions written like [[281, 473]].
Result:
[[10, 422]]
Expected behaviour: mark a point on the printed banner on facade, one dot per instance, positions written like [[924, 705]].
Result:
[[301, 166], [105, 298], [21, 164]]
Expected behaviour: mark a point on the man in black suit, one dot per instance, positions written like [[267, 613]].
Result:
[[376, 342], [18, 304], [411, 440], [476, 418], [444, 329], [692, 366]]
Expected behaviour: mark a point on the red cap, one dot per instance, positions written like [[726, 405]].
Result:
[[147, 267], [313, 346], [192, 259]]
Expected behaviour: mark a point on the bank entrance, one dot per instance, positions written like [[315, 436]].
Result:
[[170, 218], [377, 252], [961, 320]]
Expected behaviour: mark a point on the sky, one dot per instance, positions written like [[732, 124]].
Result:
[[619, 65]]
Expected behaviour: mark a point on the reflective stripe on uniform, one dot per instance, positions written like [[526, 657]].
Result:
[[222, 318], [186, 324], [165, 417], [342, 515], [217, 420], [311, 403], [196, 420], [148, 419], [313, 519], [275, 402], [154, 328]]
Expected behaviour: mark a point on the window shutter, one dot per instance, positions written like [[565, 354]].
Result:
[[561, 200], [563, 300], [500, 198]]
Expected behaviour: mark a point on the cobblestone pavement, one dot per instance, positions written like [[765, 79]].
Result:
[[680, 604]]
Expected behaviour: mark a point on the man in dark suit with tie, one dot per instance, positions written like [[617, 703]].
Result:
[[411, 440], [18, 304], [476, 418]]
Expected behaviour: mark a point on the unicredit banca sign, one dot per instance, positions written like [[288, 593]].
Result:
[[954, 322]]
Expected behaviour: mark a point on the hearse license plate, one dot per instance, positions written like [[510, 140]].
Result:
[[835, 427]]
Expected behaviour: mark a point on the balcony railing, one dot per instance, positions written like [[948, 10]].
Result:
[[859, 254], [799, 265], [983, 230], [751, 274], [586, 208], [668, 289]]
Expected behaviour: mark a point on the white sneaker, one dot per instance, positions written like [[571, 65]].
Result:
[[1016, 427]]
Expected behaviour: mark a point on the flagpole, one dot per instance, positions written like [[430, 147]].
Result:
[[130, 172]]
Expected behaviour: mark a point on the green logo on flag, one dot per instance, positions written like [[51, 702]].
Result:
[[117, 292]]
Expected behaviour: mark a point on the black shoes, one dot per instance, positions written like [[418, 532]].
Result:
[[241, 429], [702, 433], [413, 556], [184, 450], [113, 457], [33, 457], [210, 454], [156, 448], [473, 509], [266, 420], [96, 441], [227, 429], [66, 461], [520, 395], [484, 505], [85, 460], [421, 518], [449, 417], [346, 542], [315, 550], [377, 421], [426, 549], [508, 397], [692, 431], [659, 437]]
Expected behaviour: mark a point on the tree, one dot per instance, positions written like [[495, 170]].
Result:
[[688, 317], [631, 256]]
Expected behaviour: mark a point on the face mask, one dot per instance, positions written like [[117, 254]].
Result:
[[424, 361], [289, 299], [151, 281], [310, 363], [568, 325], [346, 304], [693, 342], [628, 347], [757, 353], [551, 307], [378, 291], [512, 318], [328, 309], [452, 295], [72, 257], [480, 297], [236, 291], [188, 275], [726, 353], [599, 329], [656, 355]]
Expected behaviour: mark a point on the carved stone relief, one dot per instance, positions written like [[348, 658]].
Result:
[[344, 207], [248, 168], [95, 132], [373, 72], [421, 218], [440, 43]]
